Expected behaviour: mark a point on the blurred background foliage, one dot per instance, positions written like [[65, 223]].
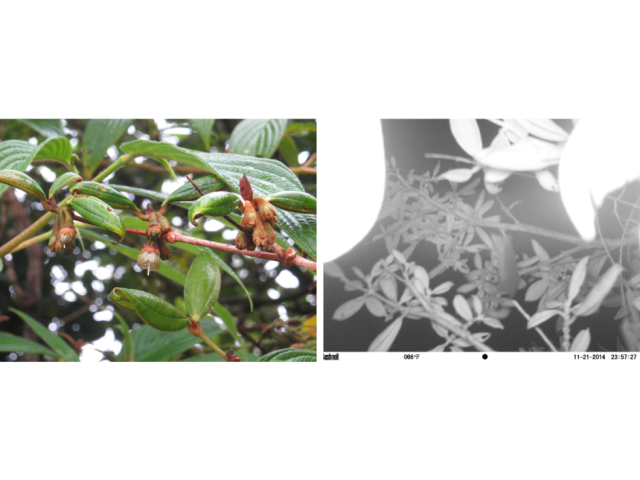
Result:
[[70, 294]]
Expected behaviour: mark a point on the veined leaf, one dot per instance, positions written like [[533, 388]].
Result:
[[106, 193], [214, 204], [289, 355], [62, 348], [202, 287], [46, 127], [203, 127], [299, 202], [207, 184], [58, 149], [23, 182], [63, 181], [257, 137], [152, 310], [164, 270], [98, 137], [99, 213], [151, 345], [15, 155], [13, 343]]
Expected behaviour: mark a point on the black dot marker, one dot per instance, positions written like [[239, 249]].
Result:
[[485, 356]]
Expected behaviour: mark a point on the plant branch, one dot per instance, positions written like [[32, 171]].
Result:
[[121, 162], [195, 186], [196, 330], [246, 333], [32, 241], [175, 236]]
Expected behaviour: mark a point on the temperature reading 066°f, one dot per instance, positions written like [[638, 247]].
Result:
[[411, 356]]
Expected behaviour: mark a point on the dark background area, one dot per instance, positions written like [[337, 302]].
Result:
[[407, 141]]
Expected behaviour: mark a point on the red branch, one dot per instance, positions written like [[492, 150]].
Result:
[[175, 236]]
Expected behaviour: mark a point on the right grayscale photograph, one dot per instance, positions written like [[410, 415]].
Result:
[[504, 235]]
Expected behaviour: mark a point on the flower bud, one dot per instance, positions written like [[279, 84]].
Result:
[[62, 240], [67, 236], [149, 258], [153, 230], [267, 210], [249, 218], [244, 242], [260, 234]]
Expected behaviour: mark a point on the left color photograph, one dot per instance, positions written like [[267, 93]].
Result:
[[175, 240]]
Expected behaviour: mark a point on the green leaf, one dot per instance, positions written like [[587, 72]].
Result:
[[257, 137], [58, 149], [99, 213], [289, 151], [128, 342], [98, 137], [106, 193], [289, 355], [227, 318], [164, 270], [202, 287], [154, 311], [228, 270], [169, 151], [155, 346], [299, 202], [216, 204], [23, 182], [301, 129], [46, 127], [62, 348], [203, 127], [167, 165], [141, 192], [15, 155], [207, 184], [63, 181], [214, 357], [12, 343]]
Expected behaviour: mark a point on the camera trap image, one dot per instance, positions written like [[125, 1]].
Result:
[[496, 235], [190, 240]]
